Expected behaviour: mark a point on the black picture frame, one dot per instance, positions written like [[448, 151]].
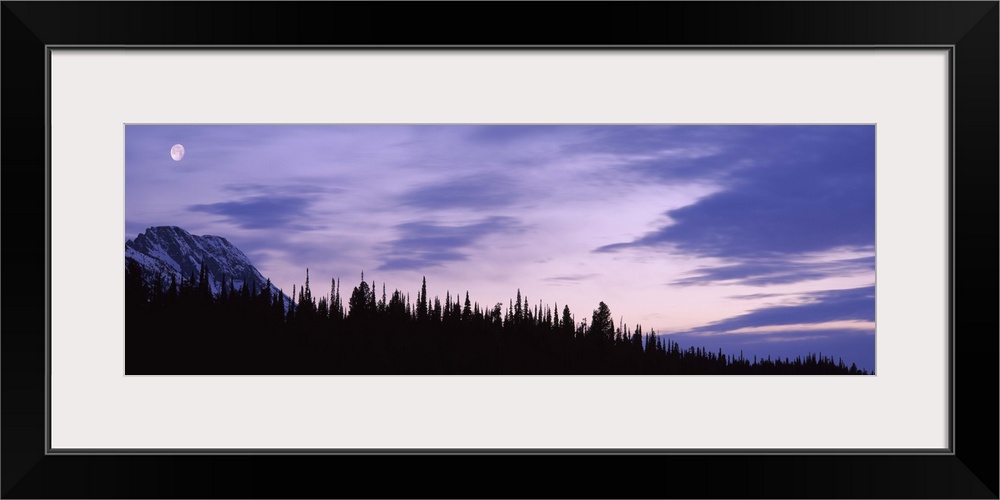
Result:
[[969, 28]]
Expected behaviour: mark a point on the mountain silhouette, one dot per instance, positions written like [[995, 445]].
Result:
[[176, 255]]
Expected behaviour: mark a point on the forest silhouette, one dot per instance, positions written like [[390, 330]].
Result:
[[183, 328]]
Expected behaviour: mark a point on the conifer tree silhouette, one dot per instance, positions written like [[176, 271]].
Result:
[[601, 326]]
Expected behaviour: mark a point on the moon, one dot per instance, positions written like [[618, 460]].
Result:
[[177, 152]]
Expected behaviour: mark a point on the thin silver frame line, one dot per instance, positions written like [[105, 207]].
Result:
[[487, 451], [951, 249], [499, 47], [48, 251]]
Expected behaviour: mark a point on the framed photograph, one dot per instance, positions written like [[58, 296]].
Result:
[[730, 251]]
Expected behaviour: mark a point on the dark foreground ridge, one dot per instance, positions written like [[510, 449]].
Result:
[[184, 328]]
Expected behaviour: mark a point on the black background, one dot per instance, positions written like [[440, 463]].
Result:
[[971, 472]]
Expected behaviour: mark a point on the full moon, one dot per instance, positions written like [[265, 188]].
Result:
[[177, 152]]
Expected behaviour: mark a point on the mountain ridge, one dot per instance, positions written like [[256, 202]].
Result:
[[175, 254]]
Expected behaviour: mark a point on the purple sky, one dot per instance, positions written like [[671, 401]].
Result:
[[753, 238]]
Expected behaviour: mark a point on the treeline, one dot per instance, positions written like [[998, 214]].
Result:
[[186, 328]]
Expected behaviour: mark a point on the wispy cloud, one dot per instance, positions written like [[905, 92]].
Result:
[[261, 212], [429, 244], [853, 304], [757, 296], [828, 326], [470, 192], [568, 279], [773, 271], [300, 189]]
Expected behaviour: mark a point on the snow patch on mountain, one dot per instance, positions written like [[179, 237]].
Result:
[[175, 254]]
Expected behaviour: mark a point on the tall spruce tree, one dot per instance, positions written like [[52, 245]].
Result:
[[602, 327], [422, 302], [567, 322]]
